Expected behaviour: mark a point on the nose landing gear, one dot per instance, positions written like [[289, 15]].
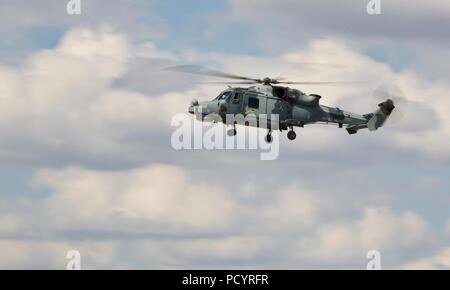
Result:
[[268, 137]]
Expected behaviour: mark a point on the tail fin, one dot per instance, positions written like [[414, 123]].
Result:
[[376, 119], [379, 117]]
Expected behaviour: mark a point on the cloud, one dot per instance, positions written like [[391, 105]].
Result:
[[48, 14], [440, 261], [26, 254], [160, 196], [62, 100], [163, 197], [86, 110], [162, 216], [424, 127], [97, 110], [399, 19], [378, 229]]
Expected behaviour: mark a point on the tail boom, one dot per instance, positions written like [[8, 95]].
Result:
[[376, 119]]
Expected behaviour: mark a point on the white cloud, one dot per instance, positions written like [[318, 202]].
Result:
[[294, 206], [64, 102], [158, 195], [379, 229], [36, 254], [440, 261], [166, 216]]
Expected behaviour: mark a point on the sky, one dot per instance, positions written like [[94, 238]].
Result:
[[86, 161]]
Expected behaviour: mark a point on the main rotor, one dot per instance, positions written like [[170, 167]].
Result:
[[242, 80]]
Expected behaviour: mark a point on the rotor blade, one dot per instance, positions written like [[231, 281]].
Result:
[[193, 69], [319, 83], [227, 83]]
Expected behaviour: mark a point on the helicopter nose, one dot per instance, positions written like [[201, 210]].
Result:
[[223, 108], [199, 108], [207, 107], [194, 102], [193, 106]]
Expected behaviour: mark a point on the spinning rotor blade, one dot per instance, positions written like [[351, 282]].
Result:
[[193, 69], [226, 83], [274, 81], [319, 83]]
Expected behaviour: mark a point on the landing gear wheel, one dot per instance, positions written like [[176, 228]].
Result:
[[291, 135], [231, 132], [269, 138]]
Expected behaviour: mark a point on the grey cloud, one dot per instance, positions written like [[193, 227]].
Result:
[[275, 226], [118, 13], [412, 20]]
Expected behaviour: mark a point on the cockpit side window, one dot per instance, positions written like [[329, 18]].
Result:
[[237, 98], [225, 96]]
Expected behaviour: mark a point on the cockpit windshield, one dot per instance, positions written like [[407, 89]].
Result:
[[225, 96]]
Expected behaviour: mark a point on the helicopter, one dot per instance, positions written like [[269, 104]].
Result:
[[266, 96]]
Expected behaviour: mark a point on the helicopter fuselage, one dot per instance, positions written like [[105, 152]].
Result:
[[293, 107]]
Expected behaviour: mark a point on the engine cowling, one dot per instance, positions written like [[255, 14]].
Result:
[[308, 100], [295, 96]]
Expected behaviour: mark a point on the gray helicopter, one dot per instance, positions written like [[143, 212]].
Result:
[[294, 108]]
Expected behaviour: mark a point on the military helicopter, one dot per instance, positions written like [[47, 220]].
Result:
[[269, 96]]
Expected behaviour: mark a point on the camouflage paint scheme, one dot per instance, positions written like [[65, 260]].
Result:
[[295, 108]]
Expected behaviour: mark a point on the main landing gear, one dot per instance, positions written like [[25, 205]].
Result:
[[291, 135], [232, 132], [268, 137]]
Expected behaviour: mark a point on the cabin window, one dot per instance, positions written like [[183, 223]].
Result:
[[253, 103], [236, 98]]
